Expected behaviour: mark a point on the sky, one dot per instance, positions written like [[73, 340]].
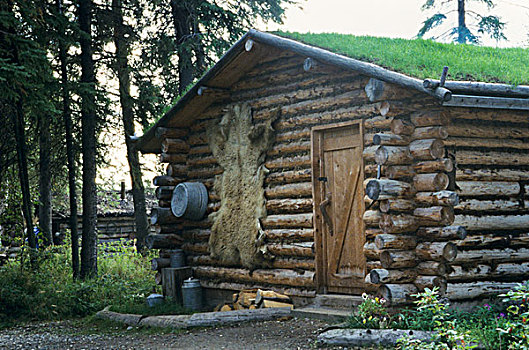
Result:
[[395, 18]]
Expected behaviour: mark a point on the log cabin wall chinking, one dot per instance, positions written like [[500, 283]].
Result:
[[373, 181]]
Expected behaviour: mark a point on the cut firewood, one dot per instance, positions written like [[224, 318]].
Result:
[[226, 307], [272, 303], [270, 295]]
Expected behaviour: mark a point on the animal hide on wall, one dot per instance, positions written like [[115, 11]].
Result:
[[240, 147]]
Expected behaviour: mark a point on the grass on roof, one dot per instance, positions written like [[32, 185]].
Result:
[[425, 58]]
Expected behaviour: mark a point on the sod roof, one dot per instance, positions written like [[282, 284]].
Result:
[[423, 59]]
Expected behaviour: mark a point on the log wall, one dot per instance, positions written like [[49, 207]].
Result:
[[491, 176]]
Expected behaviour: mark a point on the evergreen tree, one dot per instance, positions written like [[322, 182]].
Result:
[[463, 33]]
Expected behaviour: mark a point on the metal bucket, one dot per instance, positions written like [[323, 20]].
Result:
[[189, 200], [177, 258], [192, 294], [154, 299]]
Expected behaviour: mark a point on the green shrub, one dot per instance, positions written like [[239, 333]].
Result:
[[47, 291], [516, 328]]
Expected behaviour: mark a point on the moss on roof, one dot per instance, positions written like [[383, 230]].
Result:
[[425, 58]]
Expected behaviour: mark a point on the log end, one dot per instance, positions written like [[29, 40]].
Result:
[[450, 252], [373, 190]]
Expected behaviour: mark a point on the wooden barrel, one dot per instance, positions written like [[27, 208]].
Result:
[[190, 200]]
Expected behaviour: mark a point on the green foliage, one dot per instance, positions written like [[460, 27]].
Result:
[[372, 313], [516, 329], [425, 58], [168, 307], [48, 292]]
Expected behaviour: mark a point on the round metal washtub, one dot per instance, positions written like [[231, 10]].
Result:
[[176, 258], [190, 200]]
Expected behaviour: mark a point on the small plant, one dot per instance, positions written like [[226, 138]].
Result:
[[371, 313], [516, 328], [447, 335]]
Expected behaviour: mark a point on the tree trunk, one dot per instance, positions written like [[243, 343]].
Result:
[[17, 115], [182, 36], [45, 180], [461, 27], [88, 115], [123, 73], [70, 153]]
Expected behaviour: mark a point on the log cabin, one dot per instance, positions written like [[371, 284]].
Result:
[[327, 174]]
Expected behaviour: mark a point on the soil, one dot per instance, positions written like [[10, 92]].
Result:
[[292, 333]]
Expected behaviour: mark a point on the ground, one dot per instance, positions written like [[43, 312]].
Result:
[[286, 334]]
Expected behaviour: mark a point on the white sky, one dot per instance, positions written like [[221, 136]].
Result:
[[394, 18]]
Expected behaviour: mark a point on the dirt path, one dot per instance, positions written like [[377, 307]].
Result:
[[288, 334]]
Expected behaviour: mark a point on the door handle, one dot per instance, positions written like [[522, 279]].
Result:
[[326, 217]]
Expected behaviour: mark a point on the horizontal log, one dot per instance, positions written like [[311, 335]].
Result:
[[165, 180], [371, 252], [484, 241], [202, 161], [486, 143], [483, 271], [301, 205], [386, 189], [196, 235], [291, 176], [164, 192], [397, 294], [402, 127], [289, 235], [234, 286], [174, 146], [196, 248], [289, 135], [160, 263], [431, 268], [442, 233], [488, 158], [176, 170], [369, 153], [434, 216], [165, 241], [173, 158], [392, 155], [287, 221], [491, 255], [396, 259], [293, 263], [398, 223], [379, 122], [446, 198], [427, 149], [289, 162], [496, 222], [429, 132], [295, 190], [199, 150], [272, 276], [423, 282], [488, 188], [496, 205], [436, 251], [289, 148], [379, 276], [173, 133], [430, 182], [402, 242], [371, 233], [302, 249], [434, 166], [204, 172], [487, 131], [396, 172], [429, 118], [162, 216], [390, 140], [396, 205], [372, 218], [197, 138], [474, 290], [484, 174]]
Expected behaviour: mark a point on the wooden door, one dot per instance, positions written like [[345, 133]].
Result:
[[337, 168]]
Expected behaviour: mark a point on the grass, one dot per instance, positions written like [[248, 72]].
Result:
[[425, 58], [165, 308], [48, 292]]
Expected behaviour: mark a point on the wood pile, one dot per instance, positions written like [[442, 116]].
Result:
[[256, 299]]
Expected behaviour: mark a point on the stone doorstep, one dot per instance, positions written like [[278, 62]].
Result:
[[336, 301], [321, 313]]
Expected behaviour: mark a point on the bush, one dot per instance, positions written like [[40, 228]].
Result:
[[47, 291]]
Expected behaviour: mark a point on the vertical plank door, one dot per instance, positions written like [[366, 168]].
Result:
[[337, 168]]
